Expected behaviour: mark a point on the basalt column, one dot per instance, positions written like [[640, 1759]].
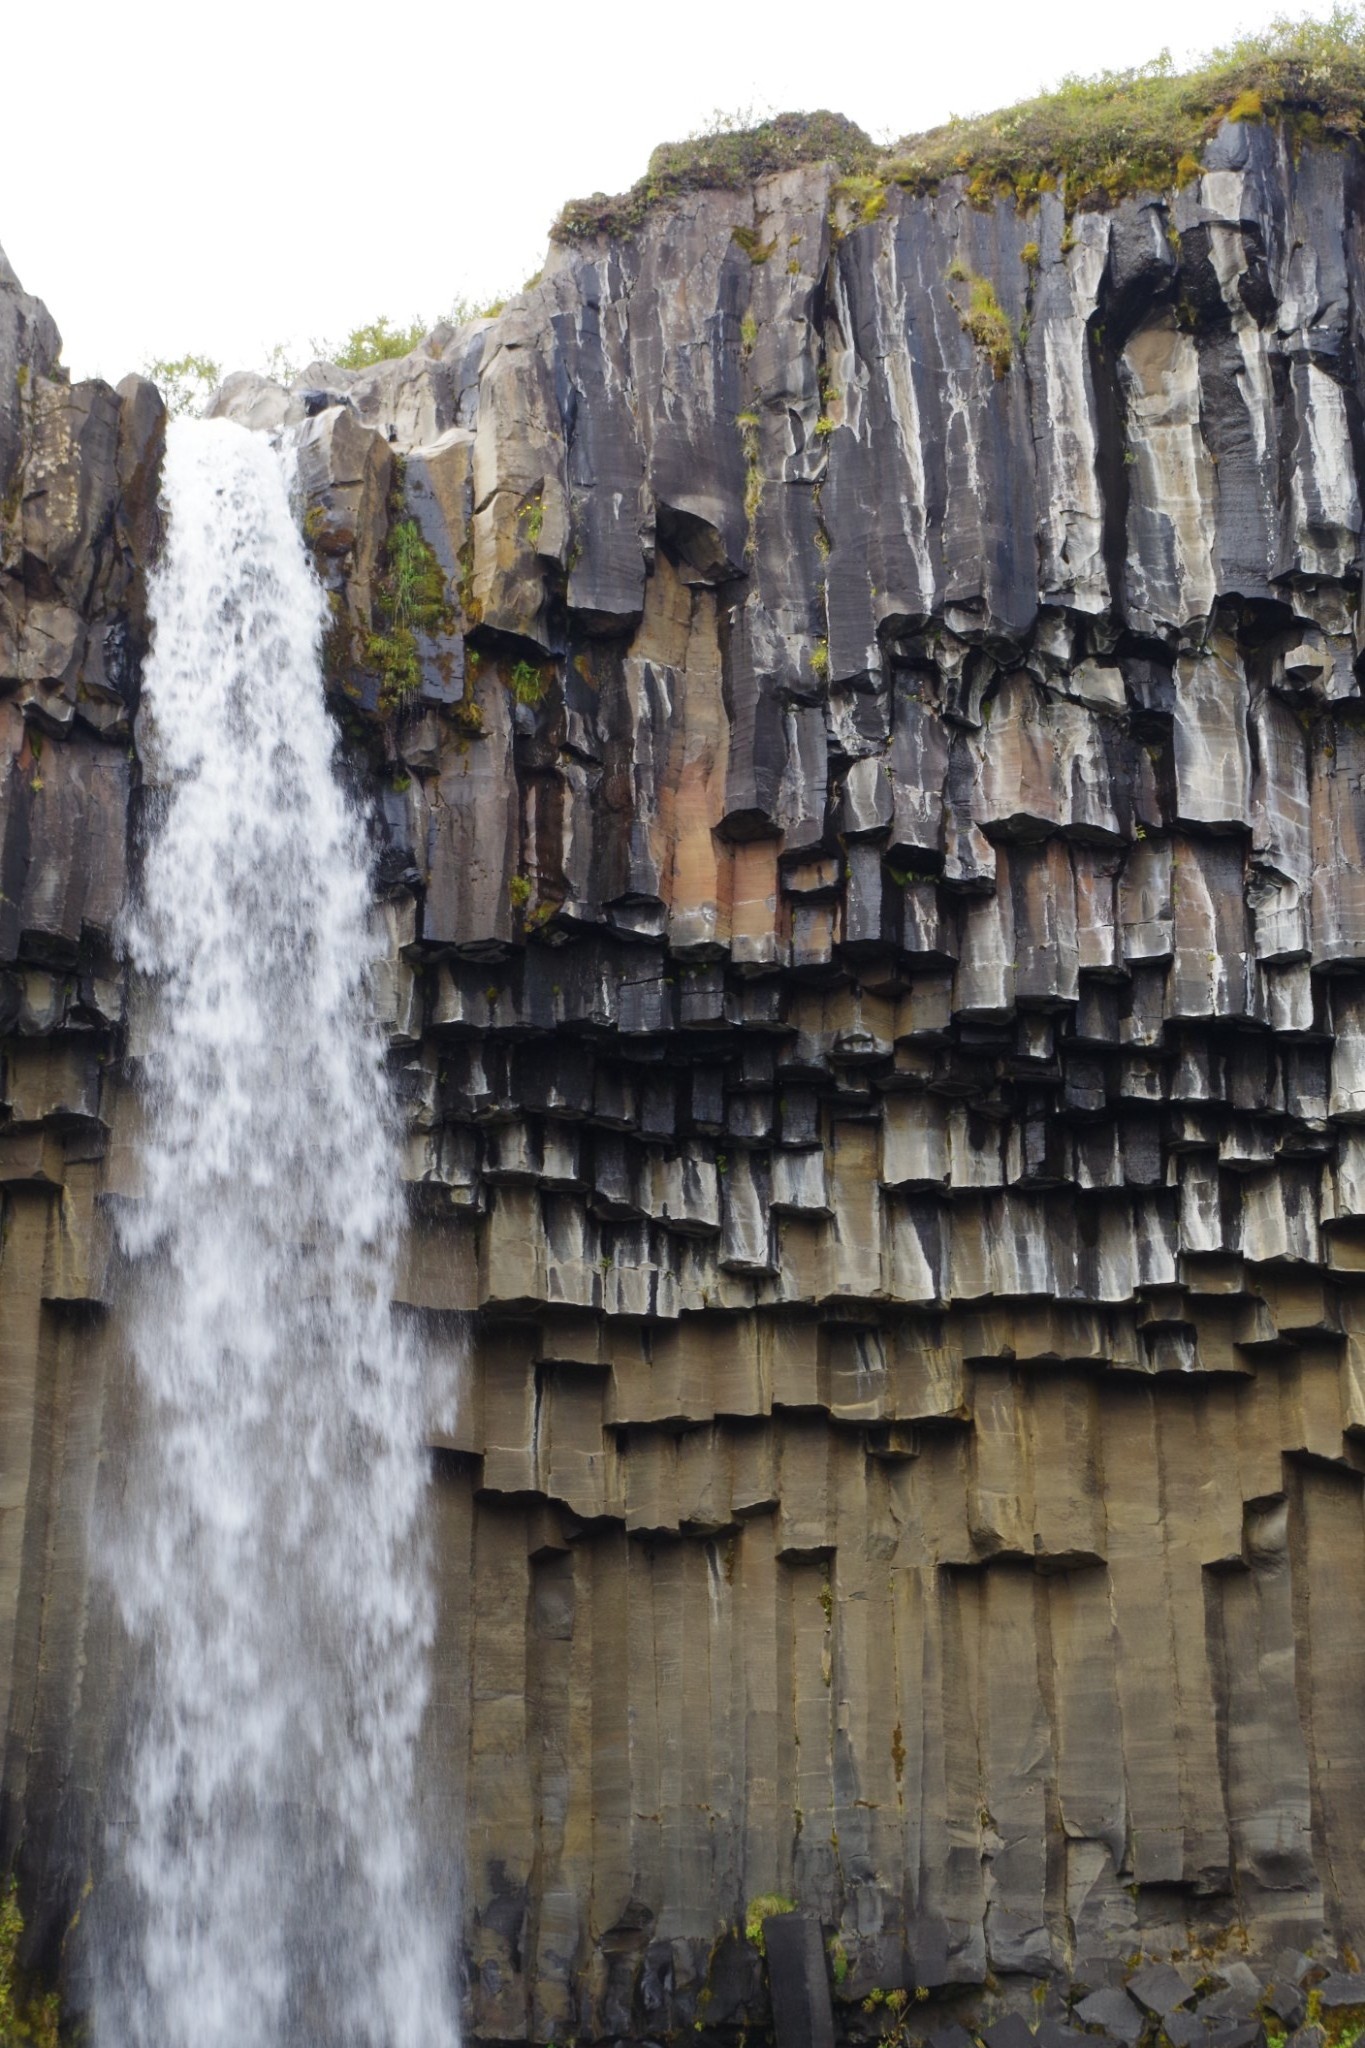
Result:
[[872, 868]]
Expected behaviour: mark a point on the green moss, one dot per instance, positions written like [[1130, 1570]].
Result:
[[983, 318], [469, 604], [765, 1907], [1124, 131], [753, 244], [527, 683], [533, 519], [410, 598], [748, 424], [819, 660], [727, 157], [28, 2019], [519, 890], [863, 195], [338, 643]]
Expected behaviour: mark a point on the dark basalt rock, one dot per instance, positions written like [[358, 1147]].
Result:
[[872, 879], [799, 1981]]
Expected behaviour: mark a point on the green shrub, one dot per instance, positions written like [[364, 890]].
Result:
[[185, 382], [378, 341], [463, 309]]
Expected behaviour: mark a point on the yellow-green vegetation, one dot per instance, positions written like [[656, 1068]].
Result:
[[462, 309], [753, 244], [983, 317], [185, 382], [748, 423], [466, 716], [527, 683], [864, 196], [533, 519], [765, 1907], [519, 890], [892, 2011], [410, 598], [1125, 131], [28, 2018], [1096, 138], [726, 156], [338, 646], [378, 341], [1341, 2025], [819, 660], [748, 334]]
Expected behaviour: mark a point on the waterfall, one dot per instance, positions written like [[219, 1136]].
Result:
[[267, 1553]]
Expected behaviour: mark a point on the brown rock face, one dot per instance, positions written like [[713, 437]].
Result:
[[874, 873]]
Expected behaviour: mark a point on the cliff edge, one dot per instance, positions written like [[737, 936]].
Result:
[[860, 688]]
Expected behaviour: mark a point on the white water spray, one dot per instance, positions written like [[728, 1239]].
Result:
[[268, 1559]]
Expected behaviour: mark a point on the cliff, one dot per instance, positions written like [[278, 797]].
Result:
[[859, 686]]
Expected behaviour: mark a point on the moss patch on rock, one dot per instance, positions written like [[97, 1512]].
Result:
[[411, 598], [27, 2016], [725, 159]]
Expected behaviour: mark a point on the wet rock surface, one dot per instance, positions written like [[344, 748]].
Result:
[[873, 901]]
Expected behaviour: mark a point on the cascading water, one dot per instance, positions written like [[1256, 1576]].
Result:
[[267, 1556]]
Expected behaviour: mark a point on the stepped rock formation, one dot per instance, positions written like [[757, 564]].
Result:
[[873, 876]]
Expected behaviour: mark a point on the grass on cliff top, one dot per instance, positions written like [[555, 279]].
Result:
[[724, 158], [1096, 138], [1144, 129]]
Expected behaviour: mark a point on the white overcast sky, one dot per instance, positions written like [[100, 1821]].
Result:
[[219, 179]]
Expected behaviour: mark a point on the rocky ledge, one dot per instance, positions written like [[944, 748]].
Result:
[[860, 689]]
